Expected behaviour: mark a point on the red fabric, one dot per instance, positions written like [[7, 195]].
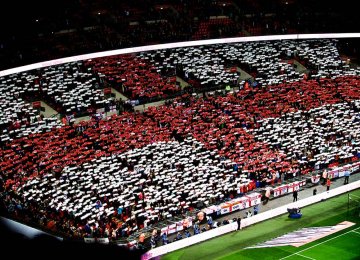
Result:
[[138, 78]]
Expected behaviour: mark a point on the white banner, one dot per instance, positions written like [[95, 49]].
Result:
[[225, 210], [236, 207], [103, 240], [89, 240]]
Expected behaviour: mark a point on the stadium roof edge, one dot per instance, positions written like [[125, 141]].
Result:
[[175, 45]]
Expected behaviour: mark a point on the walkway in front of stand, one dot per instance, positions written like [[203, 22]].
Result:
[[305, 192]]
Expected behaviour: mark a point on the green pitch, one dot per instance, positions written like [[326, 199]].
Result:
[[344, 244]]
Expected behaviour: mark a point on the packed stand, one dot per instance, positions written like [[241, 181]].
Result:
[[215, 66], [224, 127], [17, 116], [135, 77], [230, 124], [234, 138], [144, 186], [214, 28], [202, 64]]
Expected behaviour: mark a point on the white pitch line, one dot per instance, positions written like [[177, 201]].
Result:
[[305, 256], [356, 232], [320, 243]]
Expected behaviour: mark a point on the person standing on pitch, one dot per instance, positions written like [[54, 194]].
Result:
[[295, 195], [238, 220], [347, 175]]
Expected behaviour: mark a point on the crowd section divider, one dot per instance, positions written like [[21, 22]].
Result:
[[248, 221], [176, 45]]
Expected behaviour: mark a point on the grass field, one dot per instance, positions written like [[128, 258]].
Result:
[[344, 244]]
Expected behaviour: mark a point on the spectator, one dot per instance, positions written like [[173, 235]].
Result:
[[267, 195], [201, 216], [248, 214], [256, 209], [196, 228], [210, 222], [225, 222], [153, 241], [324, 176], [328, 183], [141, 242], [164, 238], [178, 236], [98, 204]]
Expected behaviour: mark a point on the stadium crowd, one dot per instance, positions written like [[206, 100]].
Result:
[[113, 177]]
